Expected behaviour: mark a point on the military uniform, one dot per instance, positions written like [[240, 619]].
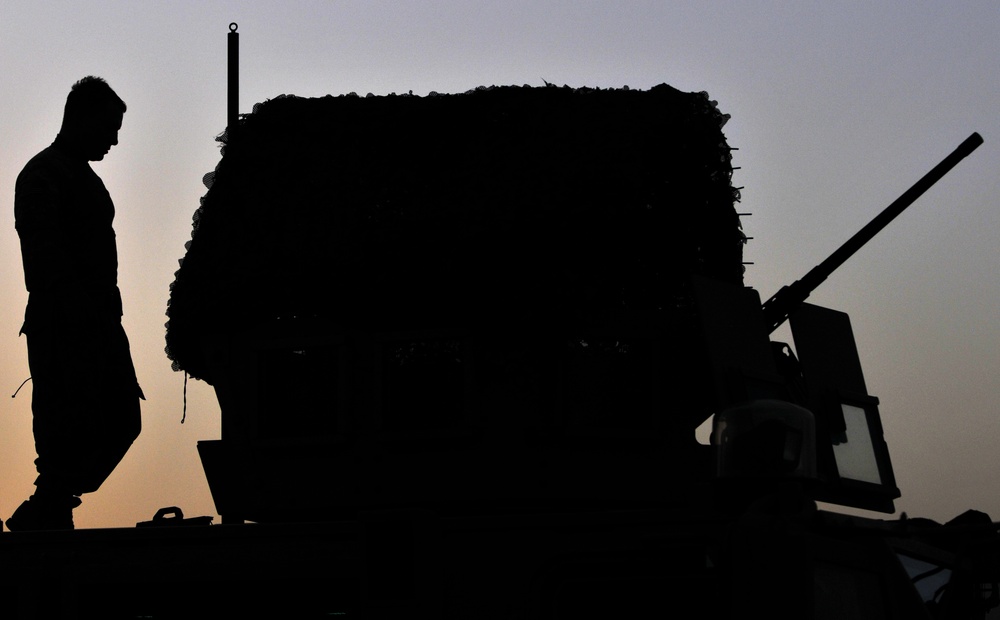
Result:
[[85, 397]]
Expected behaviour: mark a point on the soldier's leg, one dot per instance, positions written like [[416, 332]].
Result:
[[58, 423], [86, 414], [111, 408]]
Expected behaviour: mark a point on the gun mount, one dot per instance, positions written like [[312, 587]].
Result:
[[477, 278]]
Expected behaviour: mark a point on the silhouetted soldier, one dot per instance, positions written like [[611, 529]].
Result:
[[85, 397]]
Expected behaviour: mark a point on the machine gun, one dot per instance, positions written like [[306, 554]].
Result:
[[820, 396], [777, 308]]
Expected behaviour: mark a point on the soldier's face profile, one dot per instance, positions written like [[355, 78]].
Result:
[[102, 133]]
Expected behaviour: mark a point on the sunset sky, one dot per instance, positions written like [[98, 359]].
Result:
[[837, 108]]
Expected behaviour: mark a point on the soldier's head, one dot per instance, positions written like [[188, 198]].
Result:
[[92, 117]]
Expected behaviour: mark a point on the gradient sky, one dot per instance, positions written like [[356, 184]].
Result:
[[837, 108]]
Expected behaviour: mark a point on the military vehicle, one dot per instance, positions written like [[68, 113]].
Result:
[[461, 345]]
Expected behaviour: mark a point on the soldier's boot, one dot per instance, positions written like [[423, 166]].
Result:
[[44, 512]]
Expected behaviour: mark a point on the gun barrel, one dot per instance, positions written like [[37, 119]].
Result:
[[777, 308]]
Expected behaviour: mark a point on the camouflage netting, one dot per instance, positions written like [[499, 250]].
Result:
[[582, 208]]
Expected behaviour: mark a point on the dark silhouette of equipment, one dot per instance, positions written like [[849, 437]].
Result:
[[462, 343]]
